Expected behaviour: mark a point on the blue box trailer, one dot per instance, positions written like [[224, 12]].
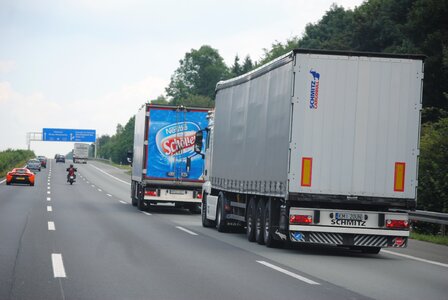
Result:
[[165, 167]]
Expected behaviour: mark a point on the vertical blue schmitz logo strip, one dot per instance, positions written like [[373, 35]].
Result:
[[314, 94]]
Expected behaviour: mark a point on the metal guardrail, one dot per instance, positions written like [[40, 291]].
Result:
[[429, 216]]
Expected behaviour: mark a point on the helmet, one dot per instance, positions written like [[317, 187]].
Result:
[[71, 166]]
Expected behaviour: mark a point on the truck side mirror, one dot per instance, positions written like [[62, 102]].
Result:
[[198, 141], [130, 156]]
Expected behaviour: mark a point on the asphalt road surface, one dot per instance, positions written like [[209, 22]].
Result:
[[87, 242]]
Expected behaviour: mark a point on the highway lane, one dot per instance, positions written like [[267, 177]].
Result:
[[110, 250], [100, 247], [382, 276], [24, 241]]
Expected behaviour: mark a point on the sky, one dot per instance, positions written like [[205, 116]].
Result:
[[90, 64]]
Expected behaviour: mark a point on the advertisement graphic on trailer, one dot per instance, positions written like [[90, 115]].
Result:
[[171, 139]]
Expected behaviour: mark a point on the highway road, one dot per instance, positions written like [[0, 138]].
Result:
[[87, 241]]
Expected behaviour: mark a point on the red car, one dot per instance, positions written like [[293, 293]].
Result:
[[20, 175], [43, 161]]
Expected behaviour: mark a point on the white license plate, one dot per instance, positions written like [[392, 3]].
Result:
[[177, 192], [349, 216]]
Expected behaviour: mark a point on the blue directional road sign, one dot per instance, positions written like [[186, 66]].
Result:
[[68, 135]]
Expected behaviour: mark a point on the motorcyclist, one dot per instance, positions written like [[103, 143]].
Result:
[[71, 172]]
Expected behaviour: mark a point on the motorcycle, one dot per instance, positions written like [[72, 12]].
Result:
[[71, 179]]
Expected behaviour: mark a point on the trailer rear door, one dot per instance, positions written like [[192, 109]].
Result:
[[171, 138], [355, 125]]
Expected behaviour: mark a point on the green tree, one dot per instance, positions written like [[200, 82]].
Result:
[[161, 100], [236, 69], [199, 101], [247, 65], [278, 49], [332, 32], [433, 172], [198, 73]]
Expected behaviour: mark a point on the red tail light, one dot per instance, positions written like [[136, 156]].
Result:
[[151, 193], [300, 219], [199, 196], [397, 224]]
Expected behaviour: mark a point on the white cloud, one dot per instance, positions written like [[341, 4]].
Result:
[[31, 112], [7, 66]]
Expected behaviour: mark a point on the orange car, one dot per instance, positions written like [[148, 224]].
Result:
[[20, 175]]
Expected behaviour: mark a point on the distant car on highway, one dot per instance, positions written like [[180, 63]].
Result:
[[60, 158], [33, 165], [20, 175], [43, 161]]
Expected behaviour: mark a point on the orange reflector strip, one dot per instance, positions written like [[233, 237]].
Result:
[[307, 167], [400, 168]]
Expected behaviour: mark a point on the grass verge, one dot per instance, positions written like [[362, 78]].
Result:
[[436, 239], [127, 168]]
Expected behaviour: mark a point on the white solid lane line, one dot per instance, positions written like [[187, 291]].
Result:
[[186, 230], [416, 258], [48, 199], [146, 213], [124, 202], [58, 265], [294, 275], [49, 208], [110, 175], [51, 226]]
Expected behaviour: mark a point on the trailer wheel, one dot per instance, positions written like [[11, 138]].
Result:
[[371, 250], [133, 198], [268, 224], [259, 222], [205, 222], [195, 209], [141, 204], [221, 223], [250, 220]]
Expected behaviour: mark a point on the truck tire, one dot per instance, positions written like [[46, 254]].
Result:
[[141, 204], [269, 240], [133, 197], [206, 222], [250, 220], [221, 222], [371, 250], [259, 222], [195, 209]]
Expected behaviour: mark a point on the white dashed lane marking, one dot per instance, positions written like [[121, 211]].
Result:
[[146, 213], [49, 208], [294, 275], [58, 265], [51, 226], [48, 199], [186, 230], [124, 202]]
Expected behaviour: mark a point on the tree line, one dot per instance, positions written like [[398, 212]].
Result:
[[10, 159], [389, 26]]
